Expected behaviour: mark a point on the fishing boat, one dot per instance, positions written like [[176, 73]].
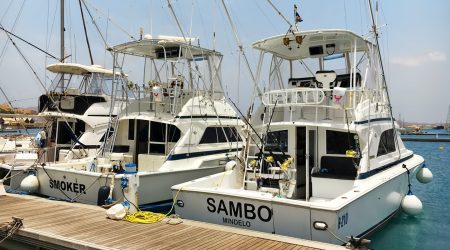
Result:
[[179, 127], [76, 111], [323, 160], [76, 118]]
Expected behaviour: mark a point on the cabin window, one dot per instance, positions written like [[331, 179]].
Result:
[[219, 135], [64, 133], [79, 128], [158, 132], [277, 141], [339, 142], [142, 137], [131, 129], [173, 133], [156, 138], [387, 143]]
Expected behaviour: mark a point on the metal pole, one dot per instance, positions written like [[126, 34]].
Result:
[[62, 40]]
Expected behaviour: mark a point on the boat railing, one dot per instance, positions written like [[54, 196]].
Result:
[[293, 97], [311, 97], [169, 101]]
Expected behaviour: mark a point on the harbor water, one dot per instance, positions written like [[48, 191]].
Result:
[[430, 229]]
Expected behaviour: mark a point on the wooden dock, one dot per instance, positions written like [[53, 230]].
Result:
[[61, 225]]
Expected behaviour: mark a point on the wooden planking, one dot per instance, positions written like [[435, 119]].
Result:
[[84, 226]]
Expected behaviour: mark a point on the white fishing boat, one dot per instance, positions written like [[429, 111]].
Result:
[[324, 160], [179, 127], [77, 116], [76, 109]]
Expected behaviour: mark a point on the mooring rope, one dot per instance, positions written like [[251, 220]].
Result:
[[11, 227]]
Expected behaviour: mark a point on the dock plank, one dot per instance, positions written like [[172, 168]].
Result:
[[78, 226]]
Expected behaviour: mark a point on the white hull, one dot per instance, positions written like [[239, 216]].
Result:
[[358, 212], [83, 186]]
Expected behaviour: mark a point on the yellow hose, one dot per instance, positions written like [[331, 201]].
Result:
[[147, 217]]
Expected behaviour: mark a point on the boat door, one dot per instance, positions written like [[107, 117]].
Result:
[[306, 151], [142, 138]]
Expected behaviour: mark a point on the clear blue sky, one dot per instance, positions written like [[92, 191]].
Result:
[[415, 39]]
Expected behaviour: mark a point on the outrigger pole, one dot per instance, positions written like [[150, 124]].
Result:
[[375, 31]]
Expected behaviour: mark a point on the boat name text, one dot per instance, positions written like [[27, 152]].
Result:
[[239, 210], [68, 186]]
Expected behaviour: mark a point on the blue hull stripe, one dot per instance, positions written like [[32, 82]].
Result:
[[377, 170], [373, 120], [174, 157], [206, 117]]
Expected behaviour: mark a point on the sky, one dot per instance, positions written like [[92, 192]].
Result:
[[414, 39]]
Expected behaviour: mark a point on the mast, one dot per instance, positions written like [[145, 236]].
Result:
[[62, 40]]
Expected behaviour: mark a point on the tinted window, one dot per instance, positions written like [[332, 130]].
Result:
[[220, 134], [232, 134], [64, 133], [277, 141], [173, 133], [339, 142], [131, 129], [157, 148], [158, 132], [387, 142]]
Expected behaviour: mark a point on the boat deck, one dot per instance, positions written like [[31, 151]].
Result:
[[61, 225]]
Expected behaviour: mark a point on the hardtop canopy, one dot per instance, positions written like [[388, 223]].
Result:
[[78, 69], [164, 48], [312, 44]]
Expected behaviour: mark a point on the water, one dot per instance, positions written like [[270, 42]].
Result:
[[431, 229]]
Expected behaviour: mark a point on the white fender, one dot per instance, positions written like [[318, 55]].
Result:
[[30, 184], [411, 204], [424, 175]]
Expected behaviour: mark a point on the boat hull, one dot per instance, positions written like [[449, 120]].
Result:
[[83, 186], [355, 213]]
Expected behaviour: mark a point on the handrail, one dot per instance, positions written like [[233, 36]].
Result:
[[309, 97], [293, 97]]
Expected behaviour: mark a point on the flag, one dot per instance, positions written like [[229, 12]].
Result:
[[297, 16]]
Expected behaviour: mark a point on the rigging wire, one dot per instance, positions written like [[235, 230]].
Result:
[[85, 33], [13, 27], [238, 41], [32, 45], [86, 2]]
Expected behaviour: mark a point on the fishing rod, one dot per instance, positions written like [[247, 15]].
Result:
[[247, 122]]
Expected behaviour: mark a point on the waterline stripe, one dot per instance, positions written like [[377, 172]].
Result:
[[382, 168], [174, 157], [373, 120]]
